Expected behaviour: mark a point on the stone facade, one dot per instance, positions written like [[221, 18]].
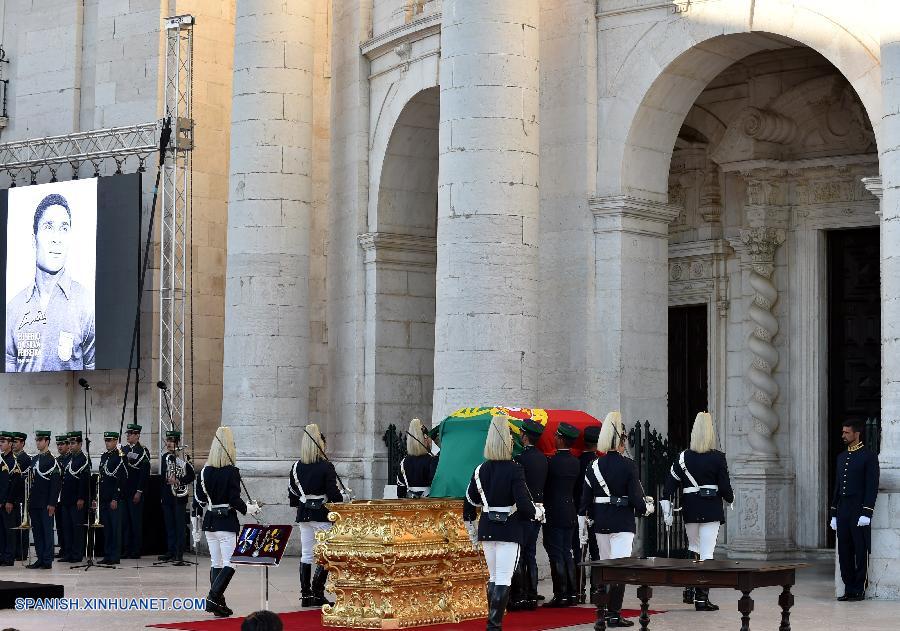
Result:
[[435, 203]]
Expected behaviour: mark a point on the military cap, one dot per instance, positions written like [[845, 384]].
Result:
[[75, 434], [567, 431], [176, 435], [62, 439], [42, 433], [21, 435], [592, 434], [133, 428], [5, 434], [110, 435], [532, 427]]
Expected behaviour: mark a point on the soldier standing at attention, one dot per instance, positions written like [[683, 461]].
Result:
[[112, 481], [42, 500], [62, 461], [855, 490], [177, 473], [587, 457], [534, 463], [137, 461], [561, 517], [76, 480], [418, 466], [6, 465]]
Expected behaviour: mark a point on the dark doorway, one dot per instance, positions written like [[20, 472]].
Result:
[[688, 383], [854, 335]]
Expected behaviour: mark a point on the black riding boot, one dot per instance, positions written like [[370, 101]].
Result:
[[318, 587], [614, 616], [517, 591], [496, 607], [701, 600], [306, 595], [215, 600], [531, 590], [560, 587], [687, 596], [573, 587]]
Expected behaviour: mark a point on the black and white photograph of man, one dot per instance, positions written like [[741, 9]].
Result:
[[50, 277]]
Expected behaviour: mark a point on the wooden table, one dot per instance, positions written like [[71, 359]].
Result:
[[744, 576]]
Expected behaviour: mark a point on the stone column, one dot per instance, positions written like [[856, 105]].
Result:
[[265, 378], [488, 203], [630, 362]]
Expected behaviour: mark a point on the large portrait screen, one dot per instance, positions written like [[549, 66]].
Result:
[[71, 273]]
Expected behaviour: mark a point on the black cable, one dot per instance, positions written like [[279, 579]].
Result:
[[164, 136]]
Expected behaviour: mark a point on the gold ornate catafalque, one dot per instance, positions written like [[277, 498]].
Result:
[[395, 564]]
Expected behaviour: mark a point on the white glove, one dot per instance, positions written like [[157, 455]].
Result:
[[540, 514], [650, 504], [180, 462], [582, 530], [345, 497], [863, 521], [668, 513], [834, 523], [473, 532], [253, 509]]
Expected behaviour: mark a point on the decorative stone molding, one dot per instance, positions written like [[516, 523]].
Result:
[[711, 197], [697, 273], [768, 126], [767, 189], [419, 28], [760, 245], [874, 185], [400, 249], [623, 213]]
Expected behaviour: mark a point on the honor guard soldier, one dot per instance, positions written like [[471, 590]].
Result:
[[137, 461], [587, 457], [43, 497], [177, 474], [498, 487], [534, 464], [76, 480], [112, 483], [852, 507], [611, 497], [562, 517], [62, 460], [702, 474], [418, 466], [312, 483], [6, 464], [15, 498]]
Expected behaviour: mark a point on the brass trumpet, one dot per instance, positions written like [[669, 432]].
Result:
[[96, 523], [26, 519]]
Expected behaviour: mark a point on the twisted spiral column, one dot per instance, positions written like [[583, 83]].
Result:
[[761, 244]]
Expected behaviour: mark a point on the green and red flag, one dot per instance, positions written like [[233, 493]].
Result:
[[463, 433]]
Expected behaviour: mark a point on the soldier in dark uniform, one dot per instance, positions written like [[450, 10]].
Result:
[[498, 487], [312, 482], [137, 461], [43, 498], [852, 507], [15, 498], [62, 459], [112, 482], [702, 474], [177, 473], [418, 466], [534, 463], [6, 464], [612, 496], [591, 433], [76, 479], [559, 502]]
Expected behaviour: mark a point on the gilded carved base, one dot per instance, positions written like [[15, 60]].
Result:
[[395, 564]]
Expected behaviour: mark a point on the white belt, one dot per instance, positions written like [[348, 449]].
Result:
[[503, 509], [419, 489], [220, 505], [604, 500], [696, 489], [314, 497]]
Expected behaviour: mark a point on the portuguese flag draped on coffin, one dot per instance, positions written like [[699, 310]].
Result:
[[462, 436]]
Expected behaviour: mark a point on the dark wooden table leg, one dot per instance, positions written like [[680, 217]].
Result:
[[745, 606], [602, 602], [645, 593], [786, 600]]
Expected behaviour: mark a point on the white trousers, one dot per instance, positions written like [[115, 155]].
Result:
[[308, 530], [615, 545], [221, 544], [702, 538], [501, 557]]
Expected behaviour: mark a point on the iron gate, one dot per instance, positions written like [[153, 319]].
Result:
[[654, 455]]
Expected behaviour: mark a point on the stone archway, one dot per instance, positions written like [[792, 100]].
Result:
[[400, 255]]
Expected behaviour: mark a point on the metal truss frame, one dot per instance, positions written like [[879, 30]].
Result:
[[142, 140]]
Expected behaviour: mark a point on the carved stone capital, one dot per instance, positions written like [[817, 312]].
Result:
[[623, 213], [874, 185], [760, 245], [768, 126]]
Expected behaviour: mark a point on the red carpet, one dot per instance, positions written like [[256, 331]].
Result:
[[310, 620]]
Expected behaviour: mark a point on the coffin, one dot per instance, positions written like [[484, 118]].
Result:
[[395, 564]]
